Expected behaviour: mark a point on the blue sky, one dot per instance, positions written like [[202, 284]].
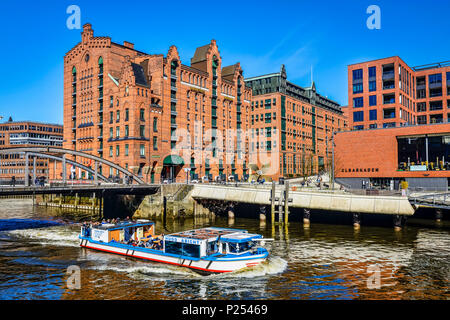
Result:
[[261, 35]]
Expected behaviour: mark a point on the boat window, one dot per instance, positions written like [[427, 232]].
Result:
[[183, 249], [173, 247], [191, 250], [233, 247], [241, 247], [246, 246], [212, 247]]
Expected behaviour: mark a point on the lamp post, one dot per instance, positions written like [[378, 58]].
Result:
[[187, 170], [332, 160]]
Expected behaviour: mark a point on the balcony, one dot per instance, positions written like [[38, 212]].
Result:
[[388, 75]]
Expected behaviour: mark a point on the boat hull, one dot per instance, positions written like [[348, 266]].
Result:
[[202, 266]]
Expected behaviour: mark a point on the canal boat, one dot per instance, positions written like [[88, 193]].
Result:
[[205, 250]]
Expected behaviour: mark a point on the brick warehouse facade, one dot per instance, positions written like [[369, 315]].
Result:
[[302, 120], [387, 92], [26, 134], [417, 154], [154, 115]]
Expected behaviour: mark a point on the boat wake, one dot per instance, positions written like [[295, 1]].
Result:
[[148, 270], [61, 235], [273, 265]]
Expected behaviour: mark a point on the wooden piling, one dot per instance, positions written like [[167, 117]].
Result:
[[272, 204], [286, 203]]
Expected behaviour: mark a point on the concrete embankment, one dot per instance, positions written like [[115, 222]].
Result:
[[310, 200], [180, 200]]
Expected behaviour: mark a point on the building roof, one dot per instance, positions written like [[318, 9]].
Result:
[[32, 122], [200, 54]]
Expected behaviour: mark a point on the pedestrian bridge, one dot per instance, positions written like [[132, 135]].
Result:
[[435, 200], [60, 154], [329, 201]]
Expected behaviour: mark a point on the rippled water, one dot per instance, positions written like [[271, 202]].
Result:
[[322, 262]]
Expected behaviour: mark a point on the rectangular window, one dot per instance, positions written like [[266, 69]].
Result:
[[358, 102], [421, 106], [155, 124], [111, 152], [142, 151], [372, 101], [373, 114], [358, 116], [357, 74], [117, 132], [127, 114], [372, 72], [126, 131], [142, 131], [117, 151], [155, 143], [388, 113], [126, 150], [358, 88], [372, 86], [117, 116]]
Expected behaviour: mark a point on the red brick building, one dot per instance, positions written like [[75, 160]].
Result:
[[383, 158], [387, 92], [153, 114], [26, 134], [294, 123]]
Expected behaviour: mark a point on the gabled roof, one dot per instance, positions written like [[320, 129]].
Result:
[[200, 54], [229, 70]]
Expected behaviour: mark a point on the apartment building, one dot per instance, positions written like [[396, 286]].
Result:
[[297, 123], [26, 134], [387, 93]]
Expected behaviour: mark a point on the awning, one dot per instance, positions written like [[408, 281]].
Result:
[[173, 160]]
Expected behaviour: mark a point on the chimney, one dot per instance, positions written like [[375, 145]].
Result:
[[87, 33], [128, 44]]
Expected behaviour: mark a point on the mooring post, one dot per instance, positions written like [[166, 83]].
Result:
[[438, 215], [262, 214], [280, 207], [231, 211], [306, 217], [356, 220], [93, 201], [397, 222], [286, 202], [272, 203], [77, 200]]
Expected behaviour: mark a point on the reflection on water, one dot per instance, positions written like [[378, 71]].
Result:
[[320, 262]]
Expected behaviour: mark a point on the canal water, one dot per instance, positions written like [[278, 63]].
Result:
[[37, 245]]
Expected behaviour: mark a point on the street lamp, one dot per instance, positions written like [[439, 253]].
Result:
[[187, 170], [332, 161]]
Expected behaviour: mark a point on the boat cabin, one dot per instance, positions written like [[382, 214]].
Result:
[[124, 231], [209, 241]]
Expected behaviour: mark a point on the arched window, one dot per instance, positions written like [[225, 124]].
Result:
[[74, 74], [100, 65]]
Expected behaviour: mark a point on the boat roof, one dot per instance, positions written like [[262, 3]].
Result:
[[240, 237], [123, 225], [209, 233]]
